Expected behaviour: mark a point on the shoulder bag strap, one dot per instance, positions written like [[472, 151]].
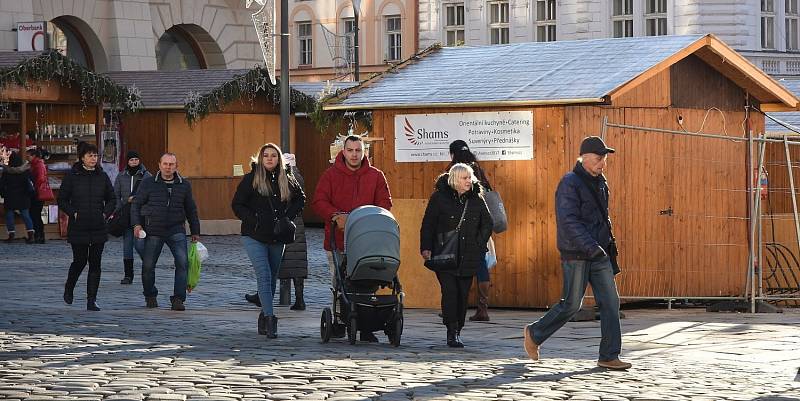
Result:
[[463, 213]]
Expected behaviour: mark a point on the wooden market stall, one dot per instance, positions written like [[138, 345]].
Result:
[[679, 203], [55, 103], [213, 120]]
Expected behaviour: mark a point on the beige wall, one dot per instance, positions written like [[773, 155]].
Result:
[[122, 34]]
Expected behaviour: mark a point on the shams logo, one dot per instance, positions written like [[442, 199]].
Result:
[[410, 132]]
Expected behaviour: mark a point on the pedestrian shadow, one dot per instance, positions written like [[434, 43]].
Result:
[[511, 374]]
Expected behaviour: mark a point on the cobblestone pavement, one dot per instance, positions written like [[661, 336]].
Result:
[[53, 351]]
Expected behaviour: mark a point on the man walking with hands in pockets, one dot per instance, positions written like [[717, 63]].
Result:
[[159, 210], [588, 255]]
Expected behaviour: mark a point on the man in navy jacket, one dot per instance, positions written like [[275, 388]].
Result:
[[161, 207], [587, 248]]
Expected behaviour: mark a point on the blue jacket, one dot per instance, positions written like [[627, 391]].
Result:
[[163, 214], [580, 224]]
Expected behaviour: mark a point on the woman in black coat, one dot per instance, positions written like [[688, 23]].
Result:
[[457, 193], [87, 197], [16, 189], [267, 197]]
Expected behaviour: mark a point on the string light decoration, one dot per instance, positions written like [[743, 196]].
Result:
[[250, 86], [52, 66]]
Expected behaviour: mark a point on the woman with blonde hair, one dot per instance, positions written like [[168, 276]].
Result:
[[456, 208], [266, 201]]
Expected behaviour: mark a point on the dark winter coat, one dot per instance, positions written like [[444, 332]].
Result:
[[443, 214], [87, 197], [125, 183], [162, 214], [295, 257], [16, 187], [580, 223], [257, 214]]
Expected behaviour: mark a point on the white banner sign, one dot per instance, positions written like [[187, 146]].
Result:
[[501, 135], [30, 36]]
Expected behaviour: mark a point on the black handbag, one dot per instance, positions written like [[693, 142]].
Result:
[[119, 221], [283, 229], [444, 256]]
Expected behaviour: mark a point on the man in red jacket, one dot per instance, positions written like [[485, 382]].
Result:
[[351, 182]]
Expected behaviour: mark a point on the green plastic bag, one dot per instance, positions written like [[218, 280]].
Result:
[[194, 267]]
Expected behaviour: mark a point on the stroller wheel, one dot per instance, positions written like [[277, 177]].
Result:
[[352, 328], [326, 325]]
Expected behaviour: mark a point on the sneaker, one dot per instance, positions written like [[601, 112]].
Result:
[[177, 303], [616, 364], [152, 302], [531, 348], [126, 280]]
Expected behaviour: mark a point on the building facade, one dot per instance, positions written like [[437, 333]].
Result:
[[765, 31], [131, 35]]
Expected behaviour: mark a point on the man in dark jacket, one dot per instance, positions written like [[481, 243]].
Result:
[[160, 209], [585, 243]]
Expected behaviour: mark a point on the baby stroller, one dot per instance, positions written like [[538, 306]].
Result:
[[370, 261]]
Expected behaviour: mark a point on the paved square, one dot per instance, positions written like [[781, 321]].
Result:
[[53, 351]]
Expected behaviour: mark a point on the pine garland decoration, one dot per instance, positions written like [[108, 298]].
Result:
[[249, 86], [52, 66]]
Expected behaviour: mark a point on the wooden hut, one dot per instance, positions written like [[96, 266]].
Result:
[[679, 203], [55, 103], [232, 113]]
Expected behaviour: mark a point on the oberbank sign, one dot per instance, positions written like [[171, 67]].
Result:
[[501, 135]]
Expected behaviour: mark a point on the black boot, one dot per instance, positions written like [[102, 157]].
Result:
[[91, 304], [253, 299], [262, 324], [271, 325], [299, 302], [452, 337], [40, 237], [72, 280], [68, 292], [10, 238], [284, 298], [128, 265], [31, 237]]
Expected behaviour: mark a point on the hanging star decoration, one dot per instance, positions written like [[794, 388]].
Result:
[[249, 2]]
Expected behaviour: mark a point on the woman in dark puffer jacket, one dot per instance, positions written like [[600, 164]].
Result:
[[87, 197], [16, 189], [456, 190], [265, 196]]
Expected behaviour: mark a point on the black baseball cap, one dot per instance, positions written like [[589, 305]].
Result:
[[595, 144]]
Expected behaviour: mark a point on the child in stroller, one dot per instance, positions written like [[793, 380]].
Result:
[[370, 261]]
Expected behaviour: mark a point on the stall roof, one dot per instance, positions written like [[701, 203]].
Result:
[[792, 117], [169, 89], [10, 59], [561, 72]]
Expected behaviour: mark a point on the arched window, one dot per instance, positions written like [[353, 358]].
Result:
[[65, 37], [177, 50]]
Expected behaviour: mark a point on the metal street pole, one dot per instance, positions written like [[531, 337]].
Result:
[[285, 97], [356, 13]]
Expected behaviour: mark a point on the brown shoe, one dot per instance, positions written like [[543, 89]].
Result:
[[530, 346], [151, 302], [177, 303], [616, 364]]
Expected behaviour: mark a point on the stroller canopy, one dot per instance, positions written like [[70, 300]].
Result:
[[372, 241]]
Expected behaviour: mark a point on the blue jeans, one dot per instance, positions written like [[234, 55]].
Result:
[[129, 242], [152, 250], [26, 217], [483, 270], [266, 260], [577, 273]]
